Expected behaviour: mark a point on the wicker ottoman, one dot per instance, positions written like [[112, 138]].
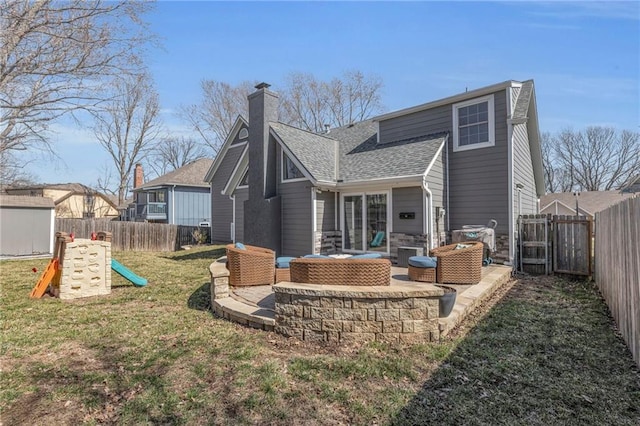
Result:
[[427, 275], [282, 274]]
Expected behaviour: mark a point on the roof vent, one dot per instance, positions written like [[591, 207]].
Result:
[[262, 85]]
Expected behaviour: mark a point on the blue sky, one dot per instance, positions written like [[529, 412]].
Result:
[[583, 56]]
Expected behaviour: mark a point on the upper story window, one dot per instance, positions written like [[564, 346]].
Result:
[[244, 133], [473, 124], [156, 197], [289, 169]]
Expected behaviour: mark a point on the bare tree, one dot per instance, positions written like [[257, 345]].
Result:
[[307, 102], [127, 127], [221, 105], [310, 103], [596, 159], [174, 152], [56, 57]]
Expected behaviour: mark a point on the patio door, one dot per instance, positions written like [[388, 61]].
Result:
[[365, 222]]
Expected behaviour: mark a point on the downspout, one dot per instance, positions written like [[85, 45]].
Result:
[[314, 219], [173, 204], [447, 210], [428, 217], [512, 239], [233, 218]]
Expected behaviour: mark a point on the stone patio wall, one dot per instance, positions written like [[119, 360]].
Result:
[[314, 312]]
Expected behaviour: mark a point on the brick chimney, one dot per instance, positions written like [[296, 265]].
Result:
[[138, 176], [262, 209]]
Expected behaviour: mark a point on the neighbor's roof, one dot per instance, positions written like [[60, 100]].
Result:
[[190, 175], [26, 201], [589, 201], [74, 187]]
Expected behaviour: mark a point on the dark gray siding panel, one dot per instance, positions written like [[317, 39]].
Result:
[[221, 205], [296, 213], [241, 195], [523, 172], [192, 206], [479, 178], [25, 231], [436, 182], [420, 123], [409, 200], [325, 213]]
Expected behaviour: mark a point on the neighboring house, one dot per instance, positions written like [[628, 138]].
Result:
[[588, 203], [405, 178], [632, 186], [26, 225], [180, 197], [72, 200]]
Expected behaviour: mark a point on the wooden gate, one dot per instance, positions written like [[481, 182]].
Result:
[[559, 244], [572, 245], [534, 248]]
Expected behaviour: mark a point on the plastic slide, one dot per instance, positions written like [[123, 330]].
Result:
[[126, 273]]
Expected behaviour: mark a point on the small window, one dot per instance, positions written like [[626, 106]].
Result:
[[289, 169], [244, 182], [473, 124], [244, 133]]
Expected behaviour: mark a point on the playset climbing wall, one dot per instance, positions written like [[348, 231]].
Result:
[[85, 269]]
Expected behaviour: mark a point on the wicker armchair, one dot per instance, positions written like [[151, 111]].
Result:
[[252, 266], [463, 266]]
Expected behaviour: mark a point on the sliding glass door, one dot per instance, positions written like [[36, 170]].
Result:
[[365, 222]]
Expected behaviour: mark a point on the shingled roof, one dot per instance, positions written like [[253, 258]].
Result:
[[360, 157], [522, 104], [190, 175], [26, 201], [317, 153], [588, 201]]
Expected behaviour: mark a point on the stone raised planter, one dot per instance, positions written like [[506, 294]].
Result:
[[314, 312]]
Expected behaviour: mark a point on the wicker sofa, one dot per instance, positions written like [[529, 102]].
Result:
[[459, 266], [250, 266], [354, 272]]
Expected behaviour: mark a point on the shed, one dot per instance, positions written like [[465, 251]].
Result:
[[26, 225]]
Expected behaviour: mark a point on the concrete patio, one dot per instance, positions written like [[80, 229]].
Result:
[[255, 306]]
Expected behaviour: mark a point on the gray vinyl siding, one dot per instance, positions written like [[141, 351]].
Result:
[[408, 200], [523, 172], [436, 184], [296, 211], [241, 195], [325, 211], [221, 205], [237, 139], [192, 206], [479, 178], [419, 123], [478, 183], [25, 231]]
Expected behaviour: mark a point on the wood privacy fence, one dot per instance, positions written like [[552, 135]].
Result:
[[617, 253], [134, 236], [559, 244]]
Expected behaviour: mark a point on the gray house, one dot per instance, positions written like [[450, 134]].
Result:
[[406, 178], [26, 225], [180, 197]]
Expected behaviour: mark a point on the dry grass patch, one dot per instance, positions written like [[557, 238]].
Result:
[[156, 355]]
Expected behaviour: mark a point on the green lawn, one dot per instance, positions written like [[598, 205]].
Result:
[[546, 353]]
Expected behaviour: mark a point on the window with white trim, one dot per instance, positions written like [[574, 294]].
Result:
[[473, 124], [289, 169]]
